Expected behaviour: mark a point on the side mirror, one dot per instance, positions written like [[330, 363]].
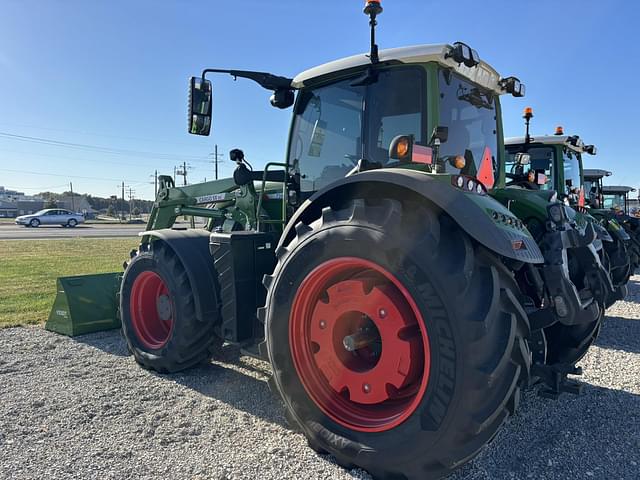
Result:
[[523, 158], [282, 98], [200, 96], [441, 134]]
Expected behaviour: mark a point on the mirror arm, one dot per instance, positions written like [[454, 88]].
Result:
[[265, 80]]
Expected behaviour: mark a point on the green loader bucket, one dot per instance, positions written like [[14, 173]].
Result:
[[85, 304]]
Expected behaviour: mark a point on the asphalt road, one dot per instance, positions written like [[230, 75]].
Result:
[[18, 232]]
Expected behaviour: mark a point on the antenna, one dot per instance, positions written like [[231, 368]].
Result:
[[528, 115], [373, 9]]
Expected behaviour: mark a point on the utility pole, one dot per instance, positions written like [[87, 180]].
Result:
[[155, 184], [215, 154], [182, 171], [131, 192], [122, 211], [73, 208], [216, 157]]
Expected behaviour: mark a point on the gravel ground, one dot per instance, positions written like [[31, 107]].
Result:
[[82, 408]]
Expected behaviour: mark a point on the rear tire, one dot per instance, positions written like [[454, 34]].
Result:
[[72, 222], [158, 312], [464, 299]]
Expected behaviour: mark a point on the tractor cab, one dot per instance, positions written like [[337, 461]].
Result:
[[433, 108], [616, 197], [420, 108], [593, 186], [556, 161]]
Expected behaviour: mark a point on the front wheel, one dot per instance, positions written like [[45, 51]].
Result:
[[397, 343], [34, 223], [159, 316]]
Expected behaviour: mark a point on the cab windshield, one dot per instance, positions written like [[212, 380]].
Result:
[[541, 163], [571, 163], [470, 114], [336, 125], [614, 201]]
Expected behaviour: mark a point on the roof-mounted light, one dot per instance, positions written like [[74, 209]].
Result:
[[463, 53], [576, 141], [513, 86], [527, 113], [559, 130]]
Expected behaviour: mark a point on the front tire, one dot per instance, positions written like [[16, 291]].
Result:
[[459, 343], [34, 223], [158, 311]]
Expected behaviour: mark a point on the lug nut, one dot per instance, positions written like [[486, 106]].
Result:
[[366, 388], [323, 324], [382, 313]]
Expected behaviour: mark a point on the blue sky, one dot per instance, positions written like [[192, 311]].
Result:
[[113, 74]]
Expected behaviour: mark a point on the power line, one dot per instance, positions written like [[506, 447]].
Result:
[[73, 159], [101, 149], [93, 134], [67, 175]]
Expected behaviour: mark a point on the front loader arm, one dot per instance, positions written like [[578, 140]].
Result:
[[172, 201]]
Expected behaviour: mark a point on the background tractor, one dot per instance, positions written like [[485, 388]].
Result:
[[573, 268], [558, 160], [371, 268], [610, 204]]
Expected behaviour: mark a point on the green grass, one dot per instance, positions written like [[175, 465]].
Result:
[[28, 272]]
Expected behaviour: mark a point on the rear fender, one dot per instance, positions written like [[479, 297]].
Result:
[[192, 249], [474, 213]]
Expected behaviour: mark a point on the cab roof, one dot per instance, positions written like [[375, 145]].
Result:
[[548, 140], [596, 173], [617, 189], [482, 74]]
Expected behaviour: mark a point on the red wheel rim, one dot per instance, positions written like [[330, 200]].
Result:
[[152, 310], [359, 344]]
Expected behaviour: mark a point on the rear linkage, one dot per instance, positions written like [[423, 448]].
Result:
[[563, 302]]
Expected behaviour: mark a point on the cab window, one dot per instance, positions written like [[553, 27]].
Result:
[[571, 163], [541, 162], [469, 112], [336, 125]]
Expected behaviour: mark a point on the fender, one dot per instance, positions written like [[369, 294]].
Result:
[[474, 213], [192, 248]]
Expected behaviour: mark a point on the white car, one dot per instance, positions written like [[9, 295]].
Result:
[[51, 216]]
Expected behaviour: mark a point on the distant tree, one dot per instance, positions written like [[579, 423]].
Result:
[[51, 202], [111, 212], [136, 212]]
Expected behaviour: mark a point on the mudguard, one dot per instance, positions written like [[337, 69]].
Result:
[[192, 248], [481, 216]]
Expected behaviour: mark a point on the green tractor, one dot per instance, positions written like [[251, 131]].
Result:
[[391, 294], [610, 204], [556, 160]]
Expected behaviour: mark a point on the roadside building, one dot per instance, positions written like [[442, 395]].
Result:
[[26, 207], [8, 209]]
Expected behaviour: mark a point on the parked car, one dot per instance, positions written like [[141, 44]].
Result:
[[51, 216]]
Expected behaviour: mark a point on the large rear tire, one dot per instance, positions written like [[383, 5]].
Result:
[[158, 311], [457, 339]]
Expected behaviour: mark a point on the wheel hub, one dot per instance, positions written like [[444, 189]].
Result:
[[151, 309], [366, 374], [359, 344]]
